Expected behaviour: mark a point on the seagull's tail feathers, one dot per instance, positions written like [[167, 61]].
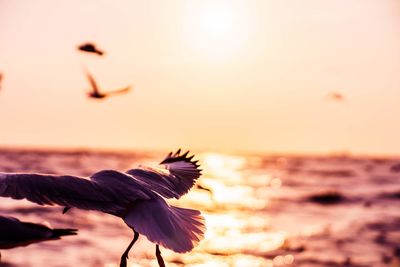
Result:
[[58, 233], [174, 228]]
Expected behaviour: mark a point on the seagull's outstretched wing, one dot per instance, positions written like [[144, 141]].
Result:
[[121, 186], [106, 191], [119, 91], [92, 82], [16, 233], [174, 180]]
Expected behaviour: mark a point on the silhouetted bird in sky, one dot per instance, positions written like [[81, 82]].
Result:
[[137, 196], [14, 233], [1, 78], [336, 96], [95, 93], [90, 48]]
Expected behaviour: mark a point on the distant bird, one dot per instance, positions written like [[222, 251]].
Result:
[[201, 187], [14, 233], [90, 48], [1, 78], [336, 96], [95, 93], [136, 196]]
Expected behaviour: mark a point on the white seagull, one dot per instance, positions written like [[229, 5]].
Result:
[[15, 233], [136, 196]]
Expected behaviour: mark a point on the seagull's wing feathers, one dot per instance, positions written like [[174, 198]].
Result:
[[119, 91], [92, 82], [172, 227], [119, 184], [174, 180], [15, 233], [69, 191]]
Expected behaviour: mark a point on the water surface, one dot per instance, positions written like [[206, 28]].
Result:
[[263, 211]]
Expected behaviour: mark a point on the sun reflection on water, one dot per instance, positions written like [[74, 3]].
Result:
[[236, 232], [224, 167]]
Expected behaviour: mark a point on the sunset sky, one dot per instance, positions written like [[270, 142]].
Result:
[[207, 75]]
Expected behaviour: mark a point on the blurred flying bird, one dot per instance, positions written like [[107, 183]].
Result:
[[1, 78], [95, 93], [90, 48], [14, 233], [137, 196], [336, 96], [201, 187]]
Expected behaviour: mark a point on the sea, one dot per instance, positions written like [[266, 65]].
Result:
[[260, 210]]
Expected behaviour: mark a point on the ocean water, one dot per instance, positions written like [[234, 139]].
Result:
[[260, 210]]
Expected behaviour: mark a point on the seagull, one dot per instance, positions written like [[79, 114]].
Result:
[[90, 48], [336, 96], [1, 78], [137, 196], [15, 233], [95, 93]]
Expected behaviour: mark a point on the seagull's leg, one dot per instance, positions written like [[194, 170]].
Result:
[[159, 257], [124, 256]]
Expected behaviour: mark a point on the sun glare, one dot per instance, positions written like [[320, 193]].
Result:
[[217, 23], [217, 31]]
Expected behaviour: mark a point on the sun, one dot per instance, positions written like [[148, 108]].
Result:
[[217, 31], [217, 23]]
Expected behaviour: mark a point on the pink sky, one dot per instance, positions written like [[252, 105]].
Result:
[[208, 75]]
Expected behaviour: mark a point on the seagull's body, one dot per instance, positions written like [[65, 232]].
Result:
[[15, 233], [136, 196], [90, 48], [95, 92]]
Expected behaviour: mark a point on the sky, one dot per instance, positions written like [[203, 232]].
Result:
[[225, 76]]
